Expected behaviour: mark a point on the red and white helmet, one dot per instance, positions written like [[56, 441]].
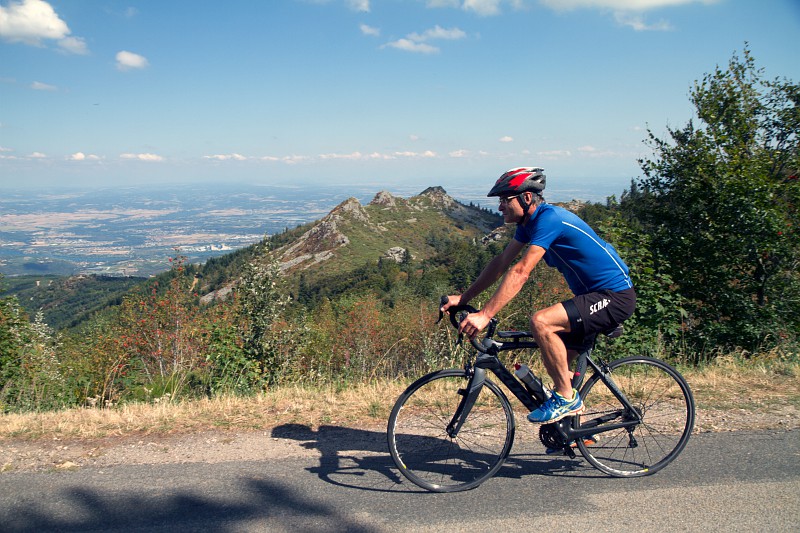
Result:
[[519, 180]]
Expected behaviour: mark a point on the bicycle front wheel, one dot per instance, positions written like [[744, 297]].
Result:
[[419, 442], [661, 399]]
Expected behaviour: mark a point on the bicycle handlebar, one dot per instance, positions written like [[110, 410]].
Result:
[[458, 313]]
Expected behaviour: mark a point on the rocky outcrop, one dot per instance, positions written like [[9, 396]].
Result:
[[397, 254], [350, 208], [438, 197], [384, 216], [385, 199], [497, 234], [318, 243]]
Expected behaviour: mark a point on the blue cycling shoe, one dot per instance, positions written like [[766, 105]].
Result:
[[556, 408]]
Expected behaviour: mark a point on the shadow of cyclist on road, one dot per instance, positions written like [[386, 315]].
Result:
[[360, 459], [349, 457]]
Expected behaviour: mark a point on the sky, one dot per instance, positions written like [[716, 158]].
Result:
[[105, 93]]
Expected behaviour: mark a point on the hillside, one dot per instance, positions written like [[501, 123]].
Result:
[[67, 301], [353, 235], [349, 237], [388, 226]]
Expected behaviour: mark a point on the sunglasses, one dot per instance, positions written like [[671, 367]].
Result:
[[508, 199]]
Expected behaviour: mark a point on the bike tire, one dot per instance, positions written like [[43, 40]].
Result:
[[665, 403], [423, 451]]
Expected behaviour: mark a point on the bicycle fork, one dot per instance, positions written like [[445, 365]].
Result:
[[469, 396], [484, 362]]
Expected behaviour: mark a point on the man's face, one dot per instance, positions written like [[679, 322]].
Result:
[[511, 209]]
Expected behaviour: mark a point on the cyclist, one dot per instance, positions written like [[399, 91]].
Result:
[[603, 293]]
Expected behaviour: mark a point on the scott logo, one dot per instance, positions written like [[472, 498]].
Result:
[[598, 306]]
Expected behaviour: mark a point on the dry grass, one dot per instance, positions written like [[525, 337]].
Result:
[[729, 394], [292, 404]]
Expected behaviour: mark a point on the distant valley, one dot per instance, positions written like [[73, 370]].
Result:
[[134, 231]]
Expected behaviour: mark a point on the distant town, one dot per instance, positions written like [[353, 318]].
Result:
[[134, 231]]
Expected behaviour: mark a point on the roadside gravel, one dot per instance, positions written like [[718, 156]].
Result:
[[285, 441]]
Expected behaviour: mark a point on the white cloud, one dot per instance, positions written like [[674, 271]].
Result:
[[484, 8], [39, 86], [362, 6], [33, 21], [37, 155], [437, 32], [411, 46], [226, 157], [618, 5], [4, 149], [293, 159], [591, 151], [355, 156], [418, 42], [128, 60], [459, 153], [142, 157], [506, 139], [74, 45], [80, 156], [30, 21], [369, 30], [554, 154], [638, 23], [427, 154], [626, 12]]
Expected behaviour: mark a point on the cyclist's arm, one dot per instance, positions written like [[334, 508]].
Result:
[[492, 272], [512, 282]]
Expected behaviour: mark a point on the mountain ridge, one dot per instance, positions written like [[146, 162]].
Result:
[[378, 229]]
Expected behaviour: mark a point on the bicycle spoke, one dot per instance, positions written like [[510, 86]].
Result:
[[662, 400], [423, 450]]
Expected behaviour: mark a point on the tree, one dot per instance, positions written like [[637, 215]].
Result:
[[262, 299], [721, 203]]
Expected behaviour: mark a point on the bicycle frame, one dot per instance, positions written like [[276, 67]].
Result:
[[487, 360]]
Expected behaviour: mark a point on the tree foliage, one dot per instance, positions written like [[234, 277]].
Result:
[[721, 205]]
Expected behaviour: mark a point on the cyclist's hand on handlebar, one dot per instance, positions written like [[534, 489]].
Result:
[[473, 324], [449, 301]]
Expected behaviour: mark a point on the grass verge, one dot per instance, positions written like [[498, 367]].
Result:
[[731, 393]]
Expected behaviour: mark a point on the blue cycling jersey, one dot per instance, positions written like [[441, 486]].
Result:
[[588, 263]]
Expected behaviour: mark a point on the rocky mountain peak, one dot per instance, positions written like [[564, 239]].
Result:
[[350, 208], [438, 197], [384, 199]]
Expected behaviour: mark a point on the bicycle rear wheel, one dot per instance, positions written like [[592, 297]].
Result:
[[425, 453], [662, 399]]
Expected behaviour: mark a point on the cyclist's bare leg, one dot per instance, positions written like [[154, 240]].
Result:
[[545, 326]]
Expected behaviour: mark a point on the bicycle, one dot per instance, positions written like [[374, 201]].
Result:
[[453, 429]]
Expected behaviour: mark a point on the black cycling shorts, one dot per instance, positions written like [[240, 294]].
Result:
[[595, 312]]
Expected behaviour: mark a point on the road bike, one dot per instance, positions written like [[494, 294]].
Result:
[[451, 430]]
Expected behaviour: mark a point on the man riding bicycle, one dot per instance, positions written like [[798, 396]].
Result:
[[597, 276]]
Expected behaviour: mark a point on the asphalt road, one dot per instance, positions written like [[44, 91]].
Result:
[[722, 482]]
